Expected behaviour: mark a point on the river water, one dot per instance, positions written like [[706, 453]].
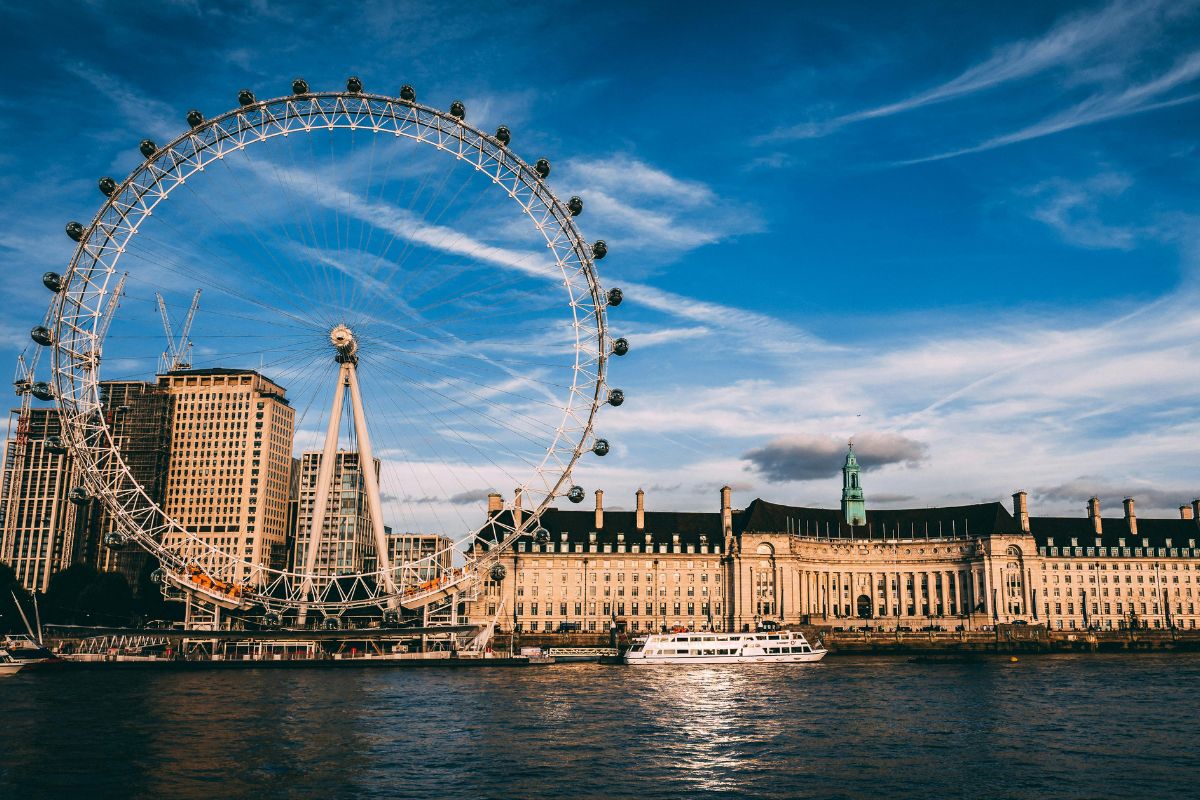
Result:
[[1047, 726]]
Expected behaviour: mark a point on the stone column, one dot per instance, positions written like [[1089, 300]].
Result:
[[989, 602], [873, 593], [946, 593], [804, 593], [829, 598], [806, 582], [976, 589], [783, 590], [953, 575], [834, 596], [842, 577], [800, 592]]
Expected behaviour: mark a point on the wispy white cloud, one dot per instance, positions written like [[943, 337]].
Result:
[[1071, 208], [1072, 39], [1140, 98], [141, 111], [1085, 213], [756, 331], [651, 212], [1015, 403]]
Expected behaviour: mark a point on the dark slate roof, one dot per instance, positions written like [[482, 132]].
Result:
[[662, 525], [908, 523], [1059, 531]]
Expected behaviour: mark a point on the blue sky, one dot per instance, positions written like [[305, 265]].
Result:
[[964, 234]]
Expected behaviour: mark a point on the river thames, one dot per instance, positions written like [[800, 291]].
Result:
[[1062, 726]]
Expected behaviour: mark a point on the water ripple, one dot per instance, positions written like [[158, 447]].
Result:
[[1062, 726]]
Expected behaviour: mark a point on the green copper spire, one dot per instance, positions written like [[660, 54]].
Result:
[[854, 506]]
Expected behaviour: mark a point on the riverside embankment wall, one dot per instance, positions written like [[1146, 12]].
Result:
[[1002, 639]]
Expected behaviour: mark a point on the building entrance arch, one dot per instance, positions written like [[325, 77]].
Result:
[[864, 606]]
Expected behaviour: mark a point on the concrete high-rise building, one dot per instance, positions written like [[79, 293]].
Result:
[[39, 526], [347, 539], [231, 461]]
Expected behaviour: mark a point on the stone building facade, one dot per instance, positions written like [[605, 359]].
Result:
[[644, 569], [971, 566]]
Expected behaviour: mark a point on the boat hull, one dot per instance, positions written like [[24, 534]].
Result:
[[790, 658], [711, 647]]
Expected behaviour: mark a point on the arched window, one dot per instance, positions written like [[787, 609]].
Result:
[[1014, 582], [764, 582]]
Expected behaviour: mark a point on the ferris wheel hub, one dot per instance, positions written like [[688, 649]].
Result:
[[343, 340]]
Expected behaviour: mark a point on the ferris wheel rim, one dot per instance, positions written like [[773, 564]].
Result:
[[68, 366]]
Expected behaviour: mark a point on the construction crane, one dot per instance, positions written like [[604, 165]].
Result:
[[178, 354], [110, 309]]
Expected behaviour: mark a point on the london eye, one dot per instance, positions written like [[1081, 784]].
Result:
[[414, 293]]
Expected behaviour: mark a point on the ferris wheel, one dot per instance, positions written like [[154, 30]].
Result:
[[415, 295]]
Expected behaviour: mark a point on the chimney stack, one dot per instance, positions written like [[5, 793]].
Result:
[[599, 510], [641, 510], [1196, 510], [518, 511], [727, 506], [1021, 510], [495, 503], [1130, 516], [1094, 515], [1185, 512]]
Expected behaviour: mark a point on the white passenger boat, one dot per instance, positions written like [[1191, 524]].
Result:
[[787, 647], [25, 650], [8, 666]]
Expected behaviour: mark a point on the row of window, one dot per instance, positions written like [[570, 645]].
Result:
[[567, 547], [1121, 608], [608, 609], [1191, 551], [634, 576]]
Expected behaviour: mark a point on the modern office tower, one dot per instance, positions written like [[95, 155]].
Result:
[[39, 526], [231, 461], [347, 540], [139, 416]]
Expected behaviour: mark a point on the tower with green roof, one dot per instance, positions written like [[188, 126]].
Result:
[[854, 506]]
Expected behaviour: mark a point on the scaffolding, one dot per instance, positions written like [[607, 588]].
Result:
[[139, 416], [41, 530]]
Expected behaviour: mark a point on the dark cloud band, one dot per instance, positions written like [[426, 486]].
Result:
[[805, 457]]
